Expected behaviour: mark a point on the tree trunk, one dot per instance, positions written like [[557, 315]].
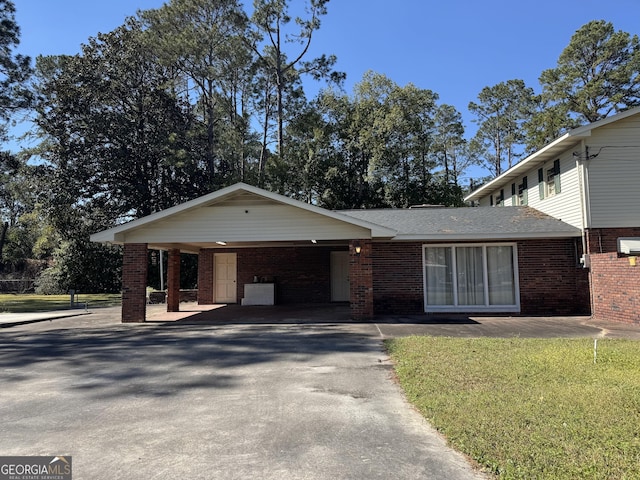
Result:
[[3, 236]]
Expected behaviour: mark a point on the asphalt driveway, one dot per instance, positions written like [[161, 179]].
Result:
[[171, 400]]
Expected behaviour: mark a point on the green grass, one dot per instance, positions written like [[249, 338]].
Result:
[[530, 408], [20, 303]]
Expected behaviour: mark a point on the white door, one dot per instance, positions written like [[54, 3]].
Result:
[[339, 276], [225, 275]]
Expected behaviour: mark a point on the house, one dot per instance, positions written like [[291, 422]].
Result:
[[590, 179], [258, 247]]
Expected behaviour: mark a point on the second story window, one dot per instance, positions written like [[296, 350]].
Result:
[[549, 180], [523, 195]]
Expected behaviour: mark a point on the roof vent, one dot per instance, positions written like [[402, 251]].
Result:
[[629, 245], [424, 205]]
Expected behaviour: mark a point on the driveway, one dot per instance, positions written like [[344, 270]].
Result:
[[204, 401]]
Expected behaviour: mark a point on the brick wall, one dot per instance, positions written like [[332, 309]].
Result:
[[605, 240], [615, 284], [134, 282], [551, 280], [301, 275], [397, 278], [173, 281], [205, 277], [361, 285]]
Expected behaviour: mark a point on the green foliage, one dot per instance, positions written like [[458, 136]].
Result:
[[500, 113], [84, 267], [598, 73], [387, 146], [15, 69], [529, 408]]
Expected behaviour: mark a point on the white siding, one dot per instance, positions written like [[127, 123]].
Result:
[[565, 205], [245, 223], [614, 174]]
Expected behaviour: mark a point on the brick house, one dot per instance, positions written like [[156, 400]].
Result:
[[589, 178], [257, 247]]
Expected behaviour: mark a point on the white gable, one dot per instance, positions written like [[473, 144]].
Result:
[[240, 214]]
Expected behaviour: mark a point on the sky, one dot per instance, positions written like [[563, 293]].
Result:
[[452, 47]]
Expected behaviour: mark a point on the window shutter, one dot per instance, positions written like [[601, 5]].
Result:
[[541, 182], [556, 177]]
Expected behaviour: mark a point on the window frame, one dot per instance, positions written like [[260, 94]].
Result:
[[486, 307], [549, 184]]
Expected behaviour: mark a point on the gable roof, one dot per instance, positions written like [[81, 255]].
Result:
[[247, 215], [241, 194], [548, 152], [466, 223]]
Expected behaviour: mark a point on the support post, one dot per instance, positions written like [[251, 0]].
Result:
[[134, 282], [173, 281], [361, 279]]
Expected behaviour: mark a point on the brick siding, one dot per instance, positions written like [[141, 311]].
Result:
[[615, 284], [361, 284], [397, 278], [301, 275], [134, 282], [173, 281], [551, 281]]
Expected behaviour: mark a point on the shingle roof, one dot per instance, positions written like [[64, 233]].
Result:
[[469, 223]]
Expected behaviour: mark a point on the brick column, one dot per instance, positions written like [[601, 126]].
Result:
[[361, 280], [134, 282], [205, 277], [173, 281]]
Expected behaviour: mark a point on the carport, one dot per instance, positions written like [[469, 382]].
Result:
[[253, 247]]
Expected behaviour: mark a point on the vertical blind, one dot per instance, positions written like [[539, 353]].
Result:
[[474, 275]]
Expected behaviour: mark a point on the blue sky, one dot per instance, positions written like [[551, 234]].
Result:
[[453, 47]]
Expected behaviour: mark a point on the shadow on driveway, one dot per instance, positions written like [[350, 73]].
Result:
[[147, 359]]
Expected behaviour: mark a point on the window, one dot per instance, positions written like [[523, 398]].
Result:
[[471, 277], [500, 199], [549, 180], [523, 196]]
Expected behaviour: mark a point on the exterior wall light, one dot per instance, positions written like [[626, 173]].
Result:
[[357, 247]]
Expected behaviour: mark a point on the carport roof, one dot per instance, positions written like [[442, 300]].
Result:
[[249, 216], [467, 223]]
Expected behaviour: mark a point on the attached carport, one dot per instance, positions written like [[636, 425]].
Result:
[[244, 236]]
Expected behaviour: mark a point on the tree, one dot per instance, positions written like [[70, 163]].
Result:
[[114, 139], [500, 113], [15, 69], [271, 20], [116, 144], [597, 74], [202, 41]]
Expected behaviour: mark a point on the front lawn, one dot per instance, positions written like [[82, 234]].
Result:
[[530, 408], [19, 303]]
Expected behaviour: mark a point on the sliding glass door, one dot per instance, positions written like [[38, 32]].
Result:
[[471, 277]]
